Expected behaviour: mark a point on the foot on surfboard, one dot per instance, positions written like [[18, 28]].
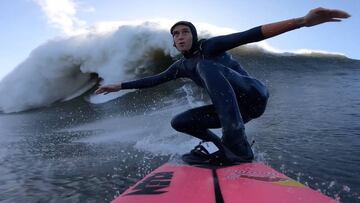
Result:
[[201, 156], [224, 157]]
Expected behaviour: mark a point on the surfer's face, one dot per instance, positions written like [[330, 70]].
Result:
[[182, 38]]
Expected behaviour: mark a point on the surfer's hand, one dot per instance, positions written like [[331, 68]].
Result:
[[106, 89], [323, 15]]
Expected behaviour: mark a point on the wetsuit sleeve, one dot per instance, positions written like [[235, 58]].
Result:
[[220, 44], [169, 74]]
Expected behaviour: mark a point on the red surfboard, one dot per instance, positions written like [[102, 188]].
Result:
[[250, 182]]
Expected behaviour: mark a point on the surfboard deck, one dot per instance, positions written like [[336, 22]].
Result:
[[249, 182]]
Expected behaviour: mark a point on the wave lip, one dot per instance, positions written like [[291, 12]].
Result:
[[61, 67], [41, 79]]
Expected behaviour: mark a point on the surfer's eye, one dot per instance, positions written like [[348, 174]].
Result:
[[176, 33]]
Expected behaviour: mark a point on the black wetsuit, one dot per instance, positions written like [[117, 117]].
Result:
[[237, 98]]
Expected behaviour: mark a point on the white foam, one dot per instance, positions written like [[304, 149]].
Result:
[[144, 132], [59, 68]]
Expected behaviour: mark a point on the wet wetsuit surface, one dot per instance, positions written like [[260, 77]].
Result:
[[236, 97]]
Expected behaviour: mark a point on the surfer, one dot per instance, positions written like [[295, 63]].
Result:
[[236, 97]]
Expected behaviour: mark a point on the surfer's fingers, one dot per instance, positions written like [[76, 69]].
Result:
[[333, 12], [100, 90], [334, 20], [339, 14], [329, 13]]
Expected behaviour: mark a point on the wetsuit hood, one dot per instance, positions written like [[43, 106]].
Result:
[[195, 43]]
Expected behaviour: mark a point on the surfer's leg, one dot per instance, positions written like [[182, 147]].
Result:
[[253, 98], [197, 122], [225, 101]]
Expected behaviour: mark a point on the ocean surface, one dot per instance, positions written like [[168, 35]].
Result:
[[68, 145]]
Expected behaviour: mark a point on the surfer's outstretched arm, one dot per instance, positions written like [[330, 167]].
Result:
[[170, 74], [314, 17], [220, 44]]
